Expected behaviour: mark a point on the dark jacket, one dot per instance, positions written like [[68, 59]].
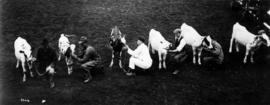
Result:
[[87, 54], [46, 55]]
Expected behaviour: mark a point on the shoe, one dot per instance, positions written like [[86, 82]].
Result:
[[175, 72], [87, 80], [130, 74], [52, 85]]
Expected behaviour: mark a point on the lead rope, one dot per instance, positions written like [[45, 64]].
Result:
[[39, 74]]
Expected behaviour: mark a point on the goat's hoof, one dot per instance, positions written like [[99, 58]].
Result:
[[24, 80], [52, 85], [159, 67], [111, 65], [31, 74], [120, 66], [69, 73], [164, 66]]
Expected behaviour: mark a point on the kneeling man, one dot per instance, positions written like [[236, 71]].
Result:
[[216, 53], [140, 57], [87, 57], [46, 59]]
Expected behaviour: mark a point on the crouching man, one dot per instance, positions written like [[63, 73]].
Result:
[[87, 57], [140, 57], [179, 53], [216, 55], [46, 59]]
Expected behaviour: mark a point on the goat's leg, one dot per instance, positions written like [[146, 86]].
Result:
[[69, 64], [120, 61], [237, 46], [59, 56], [31, 73], [164, 60], [18, 63], [199, 56], [153, 50], [159, 60], [51, 74], [251, 56], [111, 64], [246, 54], [24, 71], [194, 55], [231, 43], [150, 47]]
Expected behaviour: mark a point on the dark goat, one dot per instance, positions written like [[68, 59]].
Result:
[[117, 42]]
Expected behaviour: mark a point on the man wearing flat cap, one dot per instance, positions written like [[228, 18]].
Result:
[[140, 57], [179, 53], [87, 57]]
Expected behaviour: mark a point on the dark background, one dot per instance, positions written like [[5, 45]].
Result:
[[233, 84]]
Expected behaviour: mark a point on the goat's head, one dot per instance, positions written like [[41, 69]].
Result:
[[262, 39], [166, 45], [115, 33], [207, 42]]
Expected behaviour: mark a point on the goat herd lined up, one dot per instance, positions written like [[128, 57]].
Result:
[[156, 43]]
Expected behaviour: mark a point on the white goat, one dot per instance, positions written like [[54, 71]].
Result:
[[194, 39], [242, 36], [23, 53], [158, 43], [66, 49]]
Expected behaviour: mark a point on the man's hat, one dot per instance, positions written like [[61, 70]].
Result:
[[261, 32], [83, 39], [177, 31]]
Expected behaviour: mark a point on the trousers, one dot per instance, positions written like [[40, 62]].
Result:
[[139, 63]]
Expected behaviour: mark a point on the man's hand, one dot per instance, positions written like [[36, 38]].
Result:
[[74, 56], [126, 47]]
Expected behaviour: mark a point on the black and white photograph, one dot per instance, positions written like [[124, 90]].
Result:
[[135, 52]]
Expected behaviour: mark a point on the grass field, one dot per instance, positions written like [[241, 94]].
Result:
[[233, 84]]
